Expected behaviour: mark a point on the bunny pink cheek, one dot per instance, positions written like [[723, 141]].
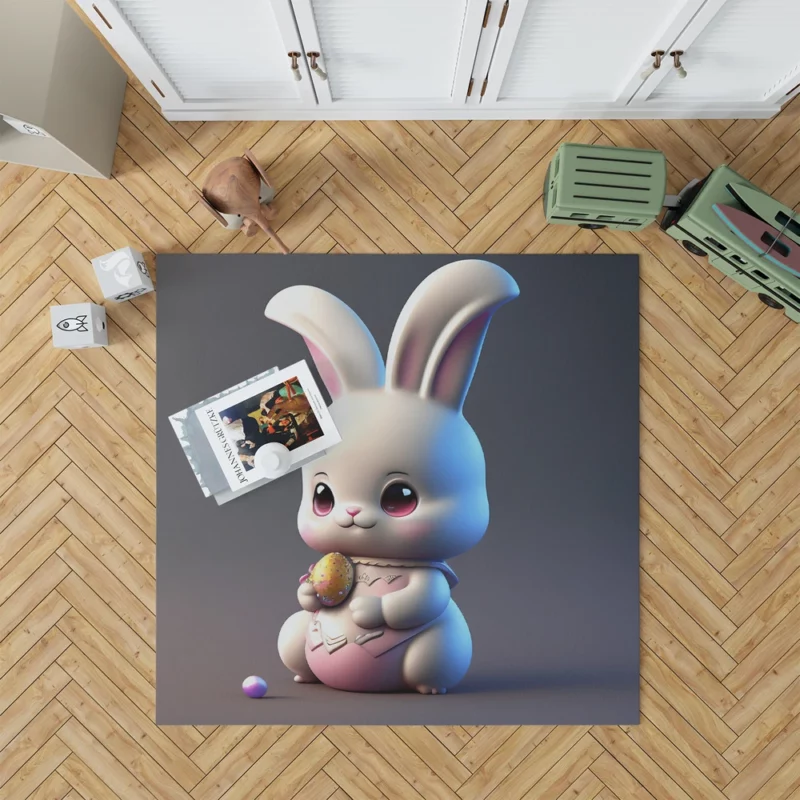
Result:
[[413, 531], [313, 537]]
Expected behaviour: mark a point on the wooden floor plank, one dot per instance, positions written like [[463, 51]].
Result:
[[101, 768], [535, 147], [673, 763], [769, 593], [97, 484], [19, 642], [683, 374], [675, 583], [36, 770], [154, 199], [110, 443], [390, 169], [12, 176], [156, 164], [236, 762], [23, 530], [526, 189], [85, 782], [295, 143], [684, 626], [159, 131], [437, 143], [134, 722], [419, 161], [681, 409], [769, 724], [103, 727], [384, 198], [82, 562], [683, 679], [681, 445], [32, 192], [107, 548], [31, 485], [353, 204], [619, 782], [33, 737], [700, 754]]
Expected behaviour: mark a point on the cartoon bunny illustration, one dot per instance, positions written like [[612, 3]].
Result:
[[403, 491]]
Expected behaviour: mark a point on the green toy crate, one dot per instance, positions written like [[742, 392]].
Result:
[[696, 225], [605, 187]]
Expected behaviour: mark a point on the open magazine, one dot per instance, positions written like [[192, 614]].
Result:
[[222, 435]]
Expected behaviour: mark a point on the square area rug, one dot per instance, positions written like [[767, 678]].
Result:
[[550, 593]]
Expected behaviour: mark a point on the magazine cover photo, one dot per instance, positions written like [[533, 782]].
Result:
[[284, 408], [280, 414]]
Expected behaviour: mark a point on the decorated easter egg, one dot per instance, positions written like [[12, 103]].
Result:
[[254, 686], [332, 578]]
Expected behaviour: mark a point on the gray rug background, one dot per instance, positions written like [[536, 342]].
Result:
[[551, 594]]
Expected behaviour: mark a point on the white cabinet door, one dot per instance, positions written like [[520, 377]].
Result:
[[574, 54], [390, 53], [745, 51], [208, 54]]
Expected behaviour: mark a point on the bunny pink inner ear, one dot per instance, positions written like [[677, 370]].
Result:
[[453, 374], [343, 350], [326, 370], [410, 364]]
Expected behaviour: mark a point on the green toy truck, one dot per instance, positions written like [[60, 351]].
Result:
[[605, 187], [700, 230], [597, 187]]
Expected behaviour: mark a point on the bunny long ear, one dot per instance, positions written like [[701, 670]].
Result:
[[440, 331], [343, 350]]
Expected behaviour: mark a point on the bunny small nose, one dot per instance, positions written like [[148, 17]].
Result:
[[353, 510]]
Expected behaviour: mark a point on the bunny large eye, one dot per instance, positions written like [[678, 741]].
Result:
[[398, 499], [323, 500]]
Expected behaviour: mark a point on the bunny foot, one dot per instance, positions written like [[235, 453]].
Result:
[[430, 690], [305, 679]]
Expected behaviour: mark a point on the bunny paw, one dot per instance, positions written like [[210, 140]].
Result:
[[302, 679], [430, 690], [367, 612]]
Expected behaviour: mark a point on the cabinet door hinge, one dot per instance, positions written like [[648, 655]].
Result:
[[483, 88], [486, 13], [469, 88], [503, 15]]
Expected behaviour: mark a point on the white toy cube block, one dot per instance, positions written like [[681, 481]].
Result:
[[122, 274], [79, 325]]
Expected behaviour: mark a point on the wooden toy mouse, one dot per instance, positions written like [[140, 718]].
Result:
[[237, 192]]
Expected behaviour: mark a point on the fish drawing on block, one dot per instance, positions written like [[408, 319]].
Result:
[[763, 238], [77, 324]]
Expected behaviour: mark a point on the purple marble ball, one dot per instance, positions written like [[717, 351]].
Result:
[[254, 686]]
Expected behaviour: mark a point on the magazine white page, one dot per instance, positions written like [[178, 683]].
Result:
[[285, 407], [196, 446]]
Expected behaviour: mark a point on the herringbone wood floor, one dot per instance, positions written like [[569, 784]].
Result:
[[720, 471]]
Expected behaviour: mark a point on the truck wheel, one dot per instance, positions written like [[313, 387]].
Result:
[[592, 226], [769, 301], [693, 248]]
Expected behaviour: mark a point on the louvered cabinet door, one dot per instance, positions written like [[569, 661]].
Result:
[[735, 51], [207, 54], [390, 54], [578, 54]]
